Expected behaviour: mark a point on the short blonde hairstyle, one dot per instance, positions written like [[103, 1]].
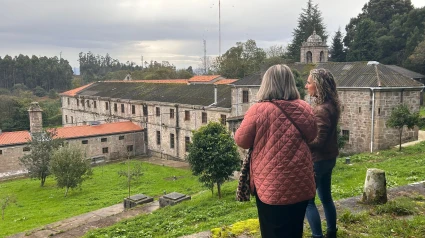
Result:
[[278, 83]]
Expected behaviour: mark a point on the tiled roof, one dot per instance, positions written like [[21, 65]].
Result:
[[349, 74], [11, 138], [196, 94], [74, 91], [203, 78], [21, 137], [102, 129], [406, 72], [226, 81], [183, 81]]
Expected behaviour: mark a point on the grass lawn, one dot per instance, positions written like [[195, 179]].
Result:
[[206, 212], [37, 206]]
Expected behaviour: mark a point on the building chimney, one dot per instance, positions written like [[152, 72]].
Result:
[[36, 118]]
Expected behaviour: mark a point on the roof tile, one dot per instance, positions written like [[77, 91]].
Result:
[[16, 137], [74, 91], [203, 78], [102, 129]]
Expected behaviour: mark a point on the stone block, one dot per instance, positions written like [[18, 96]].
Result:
[[136, 200], [172, 199]]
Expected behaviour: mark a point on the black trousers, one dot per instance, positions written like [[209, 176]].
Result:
[[281, 221]]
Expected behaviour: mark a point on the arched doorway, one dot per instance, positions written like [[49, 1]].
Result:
[[309, 57], [322, 56]]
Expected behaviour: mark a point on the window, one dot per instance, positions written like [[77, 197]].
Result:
[[68, 101], [115, 107], [106, 106], [343, 108], [82, 102], [360, 110], [245, 96], [158, 137], [171, 113], [172, 141], [187, 115], [186, 143], [94, 104], [105, 150], [1, 152], [26, 148], [158, 111], [88, 103], [129, 148], [103, 139], [120, 137], [204, 117], [122, 108], [133, 109], [78, 103], [66, 119], [223, 119], [346, 134], [84, 142], [145, 110], [72, 120], [379, 111]]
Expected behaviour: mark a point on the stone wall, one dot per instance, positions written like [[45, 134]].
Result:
[[356, 116], [164, 123], [385, 101], [238, 107], [9, 160], [112, 147]]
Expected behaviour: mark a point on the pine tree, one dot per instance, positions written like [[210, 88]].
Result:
[[337, 48], [309, 20]]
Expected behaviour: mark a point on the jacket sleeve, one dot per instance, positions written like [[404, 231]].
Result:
[[245, 135], [324, 124]]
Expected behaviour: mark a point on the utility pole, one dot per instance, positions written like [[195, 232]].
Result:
[[142, 61], [205, 57]]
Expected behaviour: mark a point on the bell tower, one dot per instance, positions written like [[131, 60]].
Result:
[[314, 50]]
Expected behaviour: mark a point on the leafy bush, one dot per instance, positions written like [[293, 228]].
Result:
[[39, 91]]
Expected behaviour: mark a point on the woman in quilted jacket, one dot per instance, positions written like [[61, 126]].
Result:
[[278, 129], [321, 86]]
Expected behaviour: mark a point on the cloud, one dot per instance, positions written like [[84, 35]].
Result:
[[169, 30]]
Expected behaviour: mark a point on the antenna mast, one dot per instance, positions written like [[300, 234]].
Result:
[[219, 28], [205, 57]]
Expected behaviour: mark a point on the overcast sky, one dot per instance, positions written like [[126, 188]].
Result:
[[161, 30]]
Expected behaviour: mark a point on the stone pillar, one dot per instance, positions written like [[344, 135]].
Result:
[[36, 118], [375, 187]]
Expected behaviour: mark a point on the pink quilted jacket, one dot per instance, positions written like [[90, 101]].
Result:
[[281, 164]]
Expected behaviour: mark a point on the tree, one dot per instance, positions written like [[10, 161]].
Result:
[[41, 148], [417, 59], [275, 51], [309, 20], [213, 155], [364, 46], [241, 60], [337, 48], [400, 117], [69, 167]]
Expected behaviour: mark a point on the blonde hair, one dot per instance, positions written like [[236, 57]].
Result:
[[278, 83]]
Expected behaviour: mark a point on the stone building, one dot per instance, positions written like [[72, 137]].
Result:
[[368, 92], [101, 143], [314, 50], [168, 111]]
